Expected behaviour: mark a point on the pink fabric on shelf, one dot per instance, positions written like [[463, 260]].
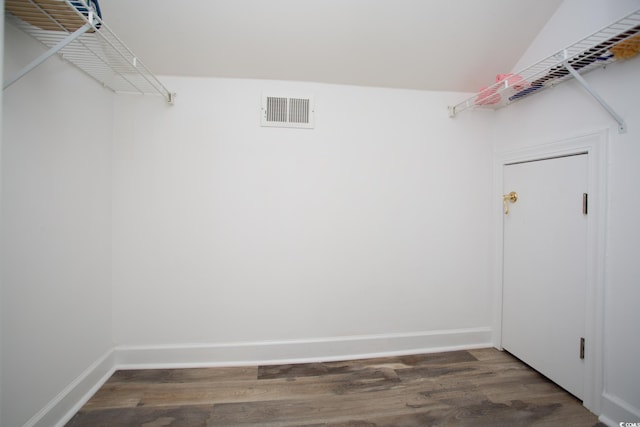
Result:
[[489, 95], [513, 80]]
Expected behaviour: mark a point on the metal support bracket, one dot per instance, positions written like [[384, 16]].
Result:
[[53, 50], [622, 127]]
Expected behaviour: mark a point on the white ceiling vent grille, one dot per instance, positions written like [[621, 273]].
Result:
[[280, 111]]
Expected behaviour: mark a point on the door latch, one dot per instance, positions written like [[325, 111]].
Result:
[[509, 198]]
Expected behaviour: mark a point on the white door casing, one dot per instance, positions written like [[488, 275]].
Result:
[[594, 144]]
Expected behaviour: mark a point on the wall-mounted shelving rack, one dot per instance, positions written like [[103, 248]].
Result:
[[594, 51], [73, 30]]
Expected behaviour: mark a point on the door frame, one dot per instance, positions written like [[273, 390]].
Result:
[[595, 145]]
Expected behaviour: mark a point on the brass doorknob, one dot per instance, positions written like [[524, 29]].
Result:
[[512, 197]]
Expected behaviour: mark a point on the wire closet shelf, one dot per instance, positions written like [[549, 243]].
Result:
[[594, 51], [74, 31]]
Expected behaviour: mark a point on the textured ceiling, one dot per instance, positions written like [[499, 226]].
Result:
[[415, 44]]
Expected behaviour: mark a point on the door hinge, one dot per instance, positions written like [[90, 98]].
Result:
[[585, 203], [581, 348]]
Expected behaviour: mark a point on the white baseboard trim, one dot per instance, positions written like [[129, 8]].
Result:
[[616, 411], [62, 407], [299, 351]]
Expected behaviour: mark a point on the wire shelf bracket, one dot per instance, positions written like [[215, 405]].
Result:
[[55, 49], [72, 29], [595, 51], [622, 126]]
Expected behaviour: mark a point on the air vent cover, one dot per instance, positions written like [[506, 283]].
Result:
[[288, 112]]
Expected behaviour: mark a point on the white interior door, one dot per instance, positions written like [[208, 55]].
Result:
[[545, 267]]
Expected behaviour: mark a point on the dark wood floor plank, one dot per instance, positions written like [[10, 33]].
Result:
[[483, 387], [187, 375]]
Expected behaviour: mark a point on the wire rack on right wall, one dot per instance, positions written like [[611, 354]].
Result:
[[618, 41]]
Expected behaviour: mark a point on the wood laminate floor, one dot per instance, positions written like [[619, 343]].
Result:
[[483, 387]]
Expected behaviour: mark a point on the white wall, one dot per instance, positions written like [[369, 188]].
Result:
[[56, 231], [1, 280], [375, 223], [569, 110]]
